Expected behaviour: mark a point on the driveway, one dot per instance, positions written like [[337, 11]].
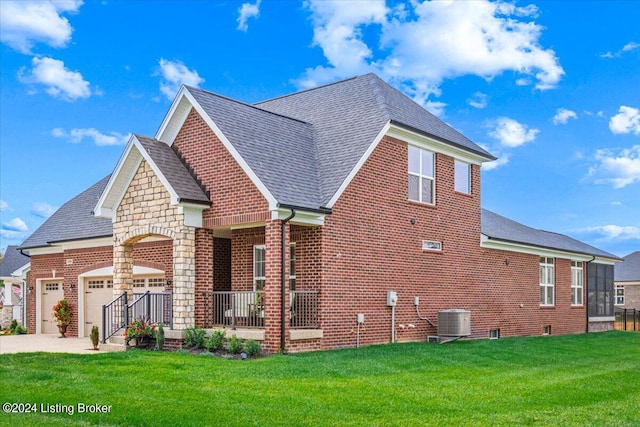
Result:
[[45, 342]]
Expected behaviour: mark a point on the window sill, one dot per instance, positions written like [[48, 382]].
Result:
[[462, 193], [547, 307], [427, 205]]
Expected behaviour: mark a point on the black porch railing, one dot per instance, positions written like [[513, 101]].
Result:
[[627, 319], [114, 317], [246, 309], [150, 307]]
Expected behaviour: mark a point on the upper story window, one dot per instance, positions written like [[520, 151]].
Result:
[[547, 276], [577, 283], [462, 177], [421, 175]]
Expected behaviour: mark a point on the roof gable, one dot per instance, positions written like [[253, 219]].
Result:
[[629, 269], [172, 173], [12, 261]]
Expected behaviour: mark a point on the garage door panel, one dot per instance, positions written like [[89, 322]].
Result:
[[98, 292], [52, 292]]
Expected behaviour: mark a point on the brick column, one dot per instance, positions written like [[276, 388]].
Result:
[[184, 278], [272, 288], [122, 270]]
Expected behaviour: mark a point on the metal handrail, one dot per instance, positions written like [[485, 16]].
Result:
[[154, 307], [115, 314]]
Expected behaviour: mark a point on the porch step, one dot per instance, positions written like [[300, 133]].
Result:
[[114, 343]]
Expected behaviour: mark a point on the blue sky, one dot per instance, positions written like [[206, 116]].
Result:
[[550, 87]]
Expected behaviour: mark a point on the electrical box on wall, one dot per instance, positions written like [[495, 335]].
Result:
[[392, 298], [361, 318]]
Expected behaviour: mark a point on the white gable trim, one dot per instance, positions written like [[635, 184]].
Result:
[[174, 121], [488, 243], [121, 179], [431, 144], [358, 165]]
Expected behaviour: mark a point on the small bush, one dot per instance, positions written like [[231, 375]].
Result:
[[95, 337], [160, 336], [253, 348], [194, 337], [235, 345], [216, 341], [13, 326]]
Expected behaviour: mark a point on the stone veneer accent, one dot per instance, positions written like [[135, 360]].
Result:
[[146, 211]]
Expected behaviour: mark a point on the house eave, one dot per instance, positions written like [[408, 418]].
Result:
[[519, 247]]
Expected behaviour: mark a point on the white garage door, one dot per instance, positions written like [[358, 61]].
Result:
[[51, 293], [99, 291]]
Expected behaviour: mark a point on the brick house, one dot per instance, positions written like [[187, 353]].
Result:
[[341, 215], [627, 281]]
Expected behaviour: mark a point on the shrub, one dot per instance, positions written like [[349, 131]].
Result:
[[194, 337], [235, 345], [160, 337], [216, 341], [253, 348], [95, 337], [14, 326]]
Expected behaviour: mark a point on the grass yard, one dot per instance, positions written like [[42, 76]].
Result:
[[573, 380]]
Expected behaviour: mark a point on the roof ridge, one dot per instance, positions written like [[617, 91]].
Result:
[[254, 106], [311, 89]]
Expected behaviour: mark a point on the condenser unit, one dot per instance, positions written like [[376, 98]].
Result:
[[454, 323]]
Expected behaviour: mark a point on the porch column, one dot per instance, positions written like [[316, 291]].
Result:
[[272, 287], [122, 269], [184, 278]]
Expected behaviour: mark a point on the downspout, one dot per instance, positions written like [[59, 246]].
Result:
[[586, 296], [24, 295], [283, 281]]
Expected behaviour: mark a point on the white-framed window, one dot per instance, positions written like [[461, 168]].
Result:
[[546, 330], [292, 266], [422, 177], [259, 267], [431, 245], [494, 334], [462, 180], [577, 283], [619, 295], [547, 275]]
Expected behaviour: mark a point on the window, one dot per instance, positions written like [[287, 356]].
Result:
[[546, 281], [577, 280], [494, 334], [546, 330], [431, 245], [462, 177], [421, 175], [259, 271], [292, 266], [619, 295]]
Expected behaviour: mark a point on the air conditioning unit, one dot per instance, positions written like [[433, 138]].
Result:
[[454, 323]]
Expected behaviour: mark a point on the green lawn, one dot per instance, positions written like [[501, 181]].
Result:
[[575, 380]]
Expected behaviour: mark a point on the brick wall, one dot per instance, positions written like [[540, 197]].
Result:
[[371, 245]]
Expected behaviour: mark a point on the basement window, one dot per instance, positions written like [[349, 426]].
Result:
[[546, 330], [431, 245], [494, 334]]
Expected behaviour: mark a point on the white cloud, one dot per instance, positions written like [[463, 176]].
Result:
[[98, 138], [43, 210], [478, 100], [245, 12], [421, 44], [511, 133], [629, 47], [175, 74], [16, 224], [617, 169], [3, 205], [627, 120], [563, 115], [501, 161], [617, 232], [25, 23], [59, 81]]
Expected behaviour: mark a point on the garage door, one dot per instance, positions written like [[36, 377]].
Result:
[[51, 293], [99, 291]]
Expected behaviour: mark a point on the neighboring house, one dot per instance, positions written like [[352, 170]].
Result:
[[627, 281], [294, 220], [13, 277]]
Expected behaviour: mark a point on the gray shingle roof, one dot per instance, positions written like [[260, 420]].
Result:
[[629, 269], [12, 261], [348, 115], [497, 227], [73, 221], [174, 170], [280, 150]]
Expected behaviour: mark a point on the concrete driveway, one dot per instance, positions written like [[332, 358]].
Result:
[[45, 342]]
